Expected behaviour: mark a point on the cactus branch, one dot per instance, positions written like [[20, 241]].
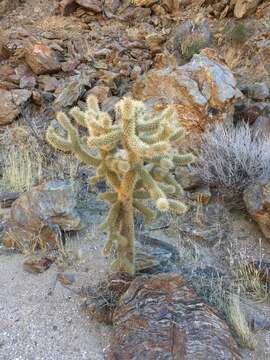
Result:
[[134, 155]]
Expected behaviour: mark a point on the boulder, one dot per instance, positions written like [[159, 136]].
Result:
[[257, 201], [38, 215], [202, 91], [159, 317], [243, 8], [41, 58]]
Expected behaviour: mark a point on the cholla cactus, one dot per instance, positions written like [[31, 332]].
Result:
[[134, 156]]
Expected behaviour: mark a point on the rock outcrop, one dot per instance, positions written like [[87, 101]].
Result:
[[202, 91]]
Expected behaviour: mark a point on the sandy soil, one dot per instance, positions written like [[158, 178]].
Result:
[[40, 322]]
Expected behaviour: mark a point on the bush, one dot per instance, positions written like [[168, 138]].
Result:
[[238, 34], [232, 158]]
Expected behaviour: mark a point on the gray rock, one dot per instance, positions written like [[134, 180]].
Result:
[[20, 97], [93, 5], [187, 178], [258, 91], [262, 126], [70, 93]]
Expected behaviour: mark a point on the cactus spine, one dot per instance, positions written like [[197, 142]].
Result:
[[134, 156]]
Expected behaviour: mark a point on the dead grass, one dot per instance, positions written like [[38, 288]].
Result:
[[22, 161], [192, 44], [26, 160]]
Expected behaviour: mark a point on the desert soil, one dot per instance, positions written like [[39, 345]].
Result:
[[41, 319]]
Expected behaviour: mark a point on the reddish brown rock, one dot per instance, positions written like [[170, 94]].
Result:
[[41, 58], [48, 83], [257, 201], [93, 5], [243, 8], [9, 111], [10, 102], [38, 215], [160, 317]]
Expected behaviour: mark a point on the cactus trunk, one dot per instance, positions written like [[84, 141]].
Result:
[[127, 231]]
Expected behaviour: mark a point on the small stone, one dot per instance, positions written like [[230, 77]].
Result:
[[48, 83], [22, 32], [258, 91], [109, 103], [257, 201], [244, 7], [28, 82], [188, 180], [111, 5], [41, 58], [66, 7], [202, 195], [205, 82], [146, 3], [70, 65], [135, 72], [65, 279], [93, 5], [101, 92], [262, 126], [10, 102], [37, 264], [20, 97], [7, 198], [36, 97]]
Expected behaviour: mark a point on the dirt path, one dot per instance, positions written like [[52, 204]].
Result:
[[37, 326]]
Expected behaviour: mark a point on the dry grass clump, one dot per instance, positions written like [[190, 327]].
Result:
[[21, 159], [232, 158], [226, 300], [253, 279], [238, 322], [192, 44], [25, 160], [237, 34]]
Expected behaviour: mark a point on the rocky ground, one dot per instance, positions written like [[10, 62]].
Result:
[[210, 61]]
